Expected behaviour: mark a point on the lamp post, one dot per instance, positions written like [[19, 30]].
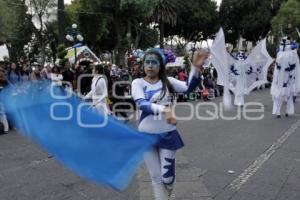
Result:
[[74, 37]]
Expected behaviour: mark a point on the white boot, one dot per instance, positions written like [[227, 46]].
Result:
[[160, 192], [5, 123], [169, 189]]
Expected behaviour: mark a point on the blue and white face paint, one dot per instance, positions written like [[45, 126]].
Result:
[[151, 61], [241, 56], [285, 44], [151, 66]]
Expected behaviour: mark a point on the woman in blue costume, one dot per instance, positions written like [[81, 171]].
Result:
[[152, 94]]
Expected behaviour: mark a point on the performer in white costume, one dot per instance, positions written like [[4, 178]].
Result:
[[241, 79], [99, 91], [286, 78], [240, 75], [56, 77], [152, 94]]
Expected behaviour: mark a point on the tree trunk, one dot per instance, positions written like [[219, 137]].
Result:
[[138, 38], [12, 53], [117, 40], [117, 30], [43, 53], [238, 43], [53, 50], [121, 54], [42, 41], [161, 34], [129, 33], [61, 21]]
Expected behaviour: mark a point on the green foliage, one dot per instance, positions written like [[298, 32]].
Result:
[[187, 63], [61, 54], [166, 11], [8, 21], [197, 20], [111, 25], [288, 19], [118, 25], [148, 38], [250, 19], [15, 27], [272, 49]]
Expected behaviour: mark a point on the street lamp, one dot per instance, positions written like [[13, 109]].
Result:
[[74, 37]]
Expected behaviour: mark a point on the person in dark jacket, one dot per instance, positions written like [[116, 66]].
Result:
[[68, 75]]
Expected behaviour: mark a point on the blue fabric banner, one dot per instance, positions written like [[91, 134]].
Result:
[[71, 131]]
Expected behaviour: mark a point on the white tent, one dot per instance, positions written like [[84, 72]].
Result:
[[179, 62], [83, 53], [3, 52]]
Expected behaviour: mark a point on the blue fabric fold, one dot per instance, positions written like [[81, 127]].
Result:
[[108, 155]]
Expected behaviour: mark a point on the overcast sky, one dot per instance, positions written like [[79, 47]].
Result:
[[69, 1]]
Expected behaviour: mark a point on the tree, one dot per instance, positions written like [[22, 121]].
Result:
[[61, 54], [87, 15], [111, 30], [165, 12], [257, 25], [193, 21], [61, 20], [287, 19], [8, 21], [15, 27], [52, 39], [40, 12], [250, 19], [145, 37], [137, 14], [230, 16]]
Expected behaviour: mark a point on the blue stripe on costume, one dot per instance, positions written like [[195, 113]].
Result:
[[144, 105], [109, 155], [294, 45], [193, 84], [149, 94], [170, 171]]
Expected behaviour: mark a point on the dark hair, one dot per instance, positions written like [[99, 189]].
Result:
[[57, 68], [99, 69], [17, 70], [24, 72], [162, 73]]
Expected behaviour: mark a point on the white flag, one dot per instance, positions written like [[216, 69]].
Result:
[[220, 62], [298, 32], [239, 76], [257, 65]]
